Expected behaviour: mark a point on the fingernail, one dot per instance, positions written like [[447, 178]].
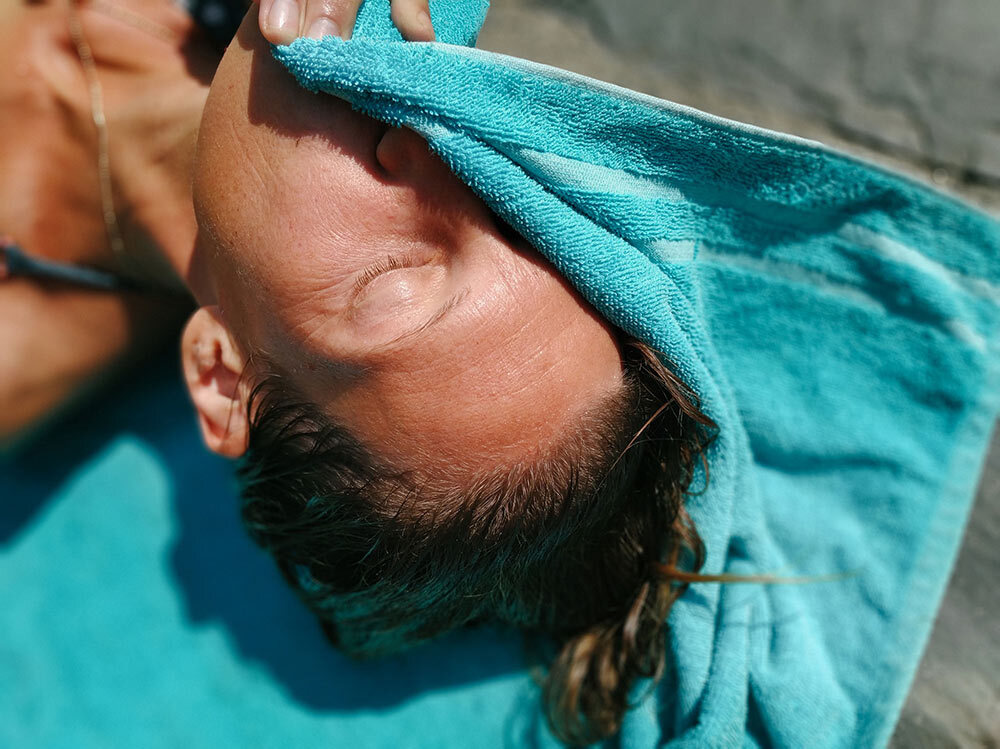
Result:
[[323, 27], [283, 19]]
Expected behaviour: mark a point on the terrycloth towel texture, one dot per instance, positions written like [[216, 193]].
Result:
[[840, 323], [136, 612]]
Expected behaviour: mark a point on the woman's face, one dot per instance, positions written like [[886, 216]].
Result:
[[349, 257]]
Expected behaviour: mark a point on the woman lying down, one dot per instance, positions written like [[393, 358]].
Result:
[[434, 428], [433, 423]]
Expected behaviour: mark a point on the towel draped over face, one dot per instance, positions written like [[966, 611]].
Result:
[[839, 322]]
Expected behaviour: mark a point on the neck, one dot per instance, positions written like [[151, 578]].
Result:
[[154, 72]]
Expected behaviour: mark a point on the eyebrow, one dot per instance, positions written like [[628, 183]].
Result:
[[445, 310]]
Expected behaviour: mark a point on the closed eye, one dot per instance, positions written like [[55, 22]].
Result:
[[373, 271]]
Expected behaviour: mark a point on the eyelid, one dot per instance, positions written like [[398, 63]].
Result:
[[386, 264]]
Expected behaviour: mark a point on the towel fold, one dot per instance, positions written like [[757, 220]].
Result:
[[840, 323]]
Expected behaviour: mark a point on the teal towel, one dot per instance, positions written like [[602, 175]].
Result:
[[136, 612], [855, 377], [840, 323]]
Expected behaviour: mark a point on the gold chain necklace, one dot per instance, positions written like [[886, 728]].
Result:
[[86, 56]]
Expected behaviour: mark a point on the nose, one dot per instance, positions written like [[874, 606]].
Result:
[[409, 162], [401, 151]]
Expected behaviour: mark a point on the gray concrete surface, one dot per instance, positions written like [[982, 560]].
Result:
[[913, 84], [955, 699]]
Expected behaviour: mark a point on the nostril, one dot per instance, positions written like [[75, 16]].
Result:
[[399, 148], [386, 151]]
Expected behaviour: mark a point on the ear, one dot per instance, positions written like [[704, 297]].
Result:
[[213, 370]]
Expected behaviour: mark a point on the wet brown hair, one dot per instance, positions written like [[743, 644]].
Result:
[[587, 546]]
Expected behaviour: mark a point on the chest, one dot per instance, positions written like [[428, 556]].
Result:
[[49, 186]]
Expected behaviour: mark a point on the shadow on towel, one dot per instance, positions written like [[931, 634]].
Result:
[[218, 574]]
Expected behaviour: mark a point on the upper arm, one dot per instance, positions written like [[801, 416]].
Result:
[[55, 342]]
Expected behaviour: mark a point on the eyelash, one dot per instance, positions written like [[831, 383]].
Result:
[[392, 262]]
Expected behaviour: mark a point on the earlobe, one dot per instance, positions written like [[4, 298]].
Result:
[[213, 370]]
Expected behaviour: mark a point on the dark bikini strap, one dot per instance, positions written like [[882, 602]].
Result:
[[16, 262]]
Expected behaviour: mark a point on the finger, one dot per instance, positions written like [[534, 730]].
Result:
[[413, 19], [278, 20], [329, 18], [282, 21]]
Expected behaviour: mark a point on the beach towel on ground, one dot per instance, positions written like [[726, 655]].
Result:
[[839, 322]]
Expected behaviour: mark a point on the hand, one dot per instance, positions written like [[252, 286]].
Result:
[[281, 21]]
